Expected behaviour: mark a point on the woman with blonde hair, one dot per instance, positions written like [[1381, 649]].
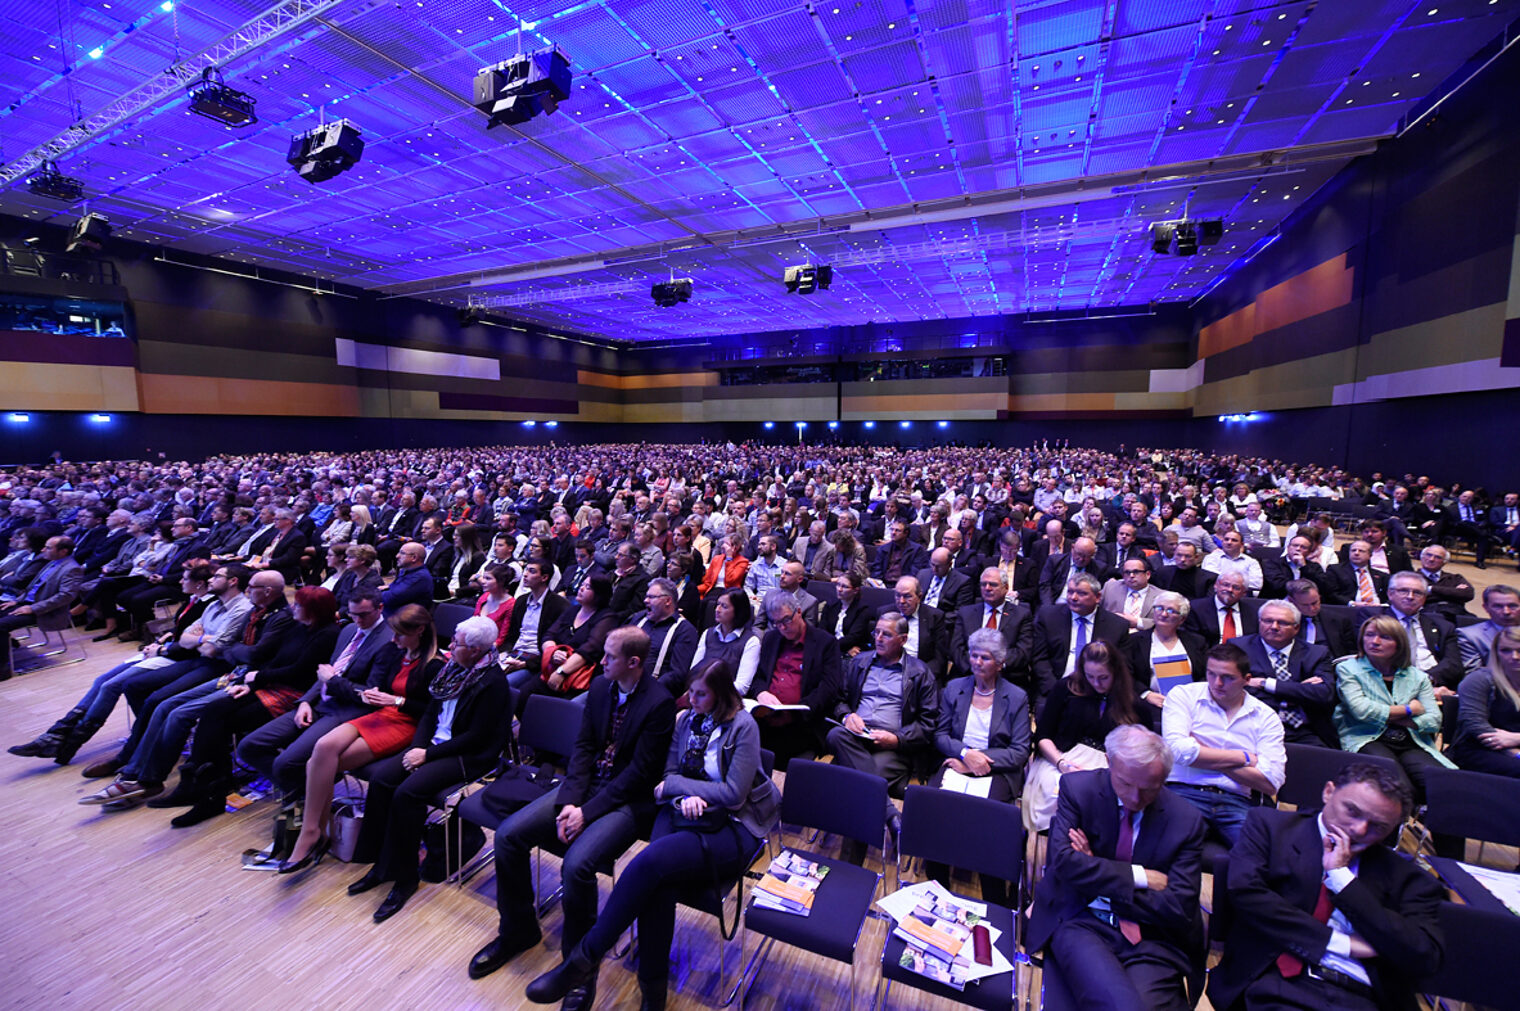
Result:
[[1488, 720]]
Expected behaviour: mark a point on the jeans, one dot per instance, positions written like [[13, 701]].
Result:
[[1225, 812], [168, 730], [600, 842], [98, 702]]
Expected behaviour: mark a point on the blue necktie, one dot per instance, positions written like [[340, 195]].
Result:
[[1081, 642]]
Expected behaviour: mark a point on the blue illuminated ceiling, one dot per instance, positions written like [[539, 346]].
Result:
[[950, 157]]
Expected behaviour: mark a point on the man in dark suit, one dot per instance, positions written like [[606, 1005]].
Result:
[[899, 556], [1467, 520], [1354, 581], [1292, 676], [945, 588], [438, 555], [585, 566], [1294, 563], [533, 614], [1448, 593], [1187, 575], [1332, 628], [396, 529], [1058, 570], [281, 748], [1012, 619], [1062, 631], [1386, 558], [1433, 644], [1221, 616], [51, 592], [1504, 522], [1118, 906], [928, 636], [799, 665], [604, 804], [629, 581], [964, 557], [1325, 916]]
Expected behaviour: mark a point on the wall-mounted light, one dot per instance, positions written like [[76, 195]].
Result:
[[529, 424], [551, 424], [100, 419], [1251, 416], [17, 418], [870, 424], [833, 424], [801, 425], [769, 425], [943, 424], [905, 424]]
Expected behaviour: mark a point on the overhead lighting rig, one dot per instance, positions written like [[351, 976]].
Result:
[[1183, 236], [808, 278], [516, 90], [672, 292], [211, 97], [319, 154], [48, 182], [90, 232]]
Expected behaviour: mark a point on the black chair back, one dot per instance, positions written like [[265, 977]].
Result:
[[1474, 805], [1475, 965], [446, 617], [878, 597], [824, 590], [842, 801], [1310, 768], [767, 762], [972, 833], [551, 725]]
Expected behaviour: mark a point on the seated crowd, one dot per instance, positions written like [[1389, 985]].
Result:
[[1122, 645]]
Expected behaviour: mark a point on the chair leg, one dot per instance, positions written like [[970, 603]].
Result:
[[757, 960]]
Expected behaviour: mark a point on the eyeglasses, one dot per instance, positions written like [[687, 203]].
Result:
[[1162, 609]]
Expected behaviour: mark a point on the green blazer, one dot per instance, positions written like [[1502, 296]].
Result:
[[1361, 716]]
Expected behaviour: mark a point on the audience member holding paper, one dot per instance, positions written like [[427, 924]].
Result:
[[983, 734], [1165, 655], [1078, 717]]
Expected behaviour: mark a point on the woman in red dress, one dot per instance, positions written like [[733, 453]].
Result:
[[410, 659], [496, 600]]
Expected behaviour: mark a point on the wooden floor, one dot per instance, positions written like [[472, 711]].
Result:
[[120, 911]]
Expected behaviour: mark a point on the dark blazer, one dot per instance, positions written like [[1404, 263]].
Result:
[[1398, 558], [1203, 619], [933, 638], [1008, 738], [638, 759], [1052, 643], [1170, 840], [59, 590], [920, 701], [914, 557], [1275, 877], [1054, 575], [1137, 650], [1191, 583], [1304, 662], [480, 726], [958, 591], [286, 558], [370, 668], [396, 528], [1440, 636], [1276, 573], [586, 640], [628, 591], [1335, 629], [1449, 595], [295, 658], [553, 606], [1017, 626], [349, 584], [440, 564], [858, 622], [411, 586], [1340, 583], [821, 679]]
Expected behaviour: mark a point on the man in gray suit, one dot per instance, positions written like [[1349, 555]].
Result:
[[793, 579], [50, 593], [1131, 595], [1503, 606], [281, 748]]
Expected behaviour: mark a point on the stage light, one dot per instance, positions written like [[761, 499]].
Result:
[[943, 424], [100, 419], [90, 232], [808, 278], [833, 424], [529, 424], [48, 182], [469, 315], [17, 418], [319, 154], [211, 97], [673, 292], [801, 425], [870, 424], [1183, 237], [551, 424], [769, 425], [514, 91]]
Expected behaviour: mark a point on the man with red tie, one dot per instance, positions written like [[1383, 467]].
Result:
[[1325, 917], [1118, 906], [996, 611], [1221, 617]]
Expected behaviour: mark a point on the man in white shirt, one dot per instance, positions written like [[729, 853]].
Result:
[[1256, 527], [1131, 595], [1233, 558], [1227, 743]]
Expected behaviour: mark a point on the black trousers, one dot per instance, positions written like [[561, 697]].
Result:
[[8, 624], [138, 601], [221, 720], [1272, 992], [1477, 758], [280, 749], [1415, 760], [395, 811], [1104, 972], [994, 890], [146, 693]]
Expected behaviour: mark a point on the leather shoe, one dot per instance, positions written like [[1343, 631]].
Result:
[[561, 981], [582, 998], [499, 952], [394, 901], [103, 768], [102, 637], [370, 880]]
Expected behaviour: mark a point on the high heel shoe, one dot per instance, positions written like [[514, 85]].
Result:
[[311, 859]]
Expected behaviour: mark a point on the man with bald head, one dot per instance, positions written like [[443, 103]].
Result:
[[945, 587], [413, 583], [1082, 558], [927, 639]]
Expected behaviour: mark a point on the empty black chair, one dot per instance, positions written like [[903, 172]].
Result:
[[446, 617], [1309, 768], [976, 834], [1472, 805], [1477, 946], [845, 802]]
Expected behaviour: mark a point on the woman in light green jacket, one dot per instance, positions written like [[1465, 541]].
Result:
[[1387, 705]]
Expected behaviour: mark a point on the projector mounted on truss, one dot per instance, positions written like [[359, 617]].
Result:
[[1183, 236], [516, 90], [90, 232], [327, 150], [807, 278], [671, 293], [48, 182], [211, 97]]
